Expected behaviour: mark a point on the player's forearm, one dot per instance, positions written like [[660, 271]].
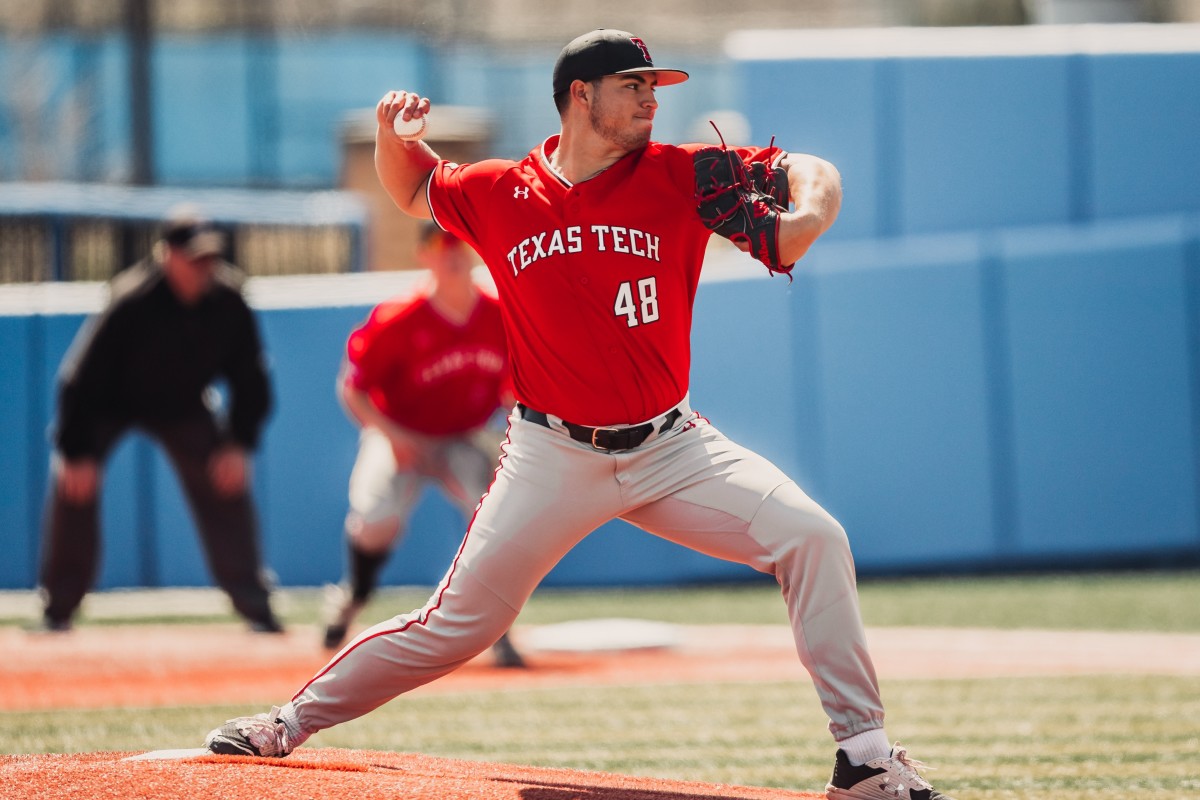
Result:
[[403, 165], [359, 407], [403, 169], [368, 415], [816, 190]]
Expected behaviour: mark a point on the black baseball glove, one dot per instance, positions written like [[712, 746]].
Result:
[[742, 203], [771, 181]]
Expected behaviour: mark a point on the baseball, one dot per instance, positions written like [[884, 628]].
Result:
[[410, 130]]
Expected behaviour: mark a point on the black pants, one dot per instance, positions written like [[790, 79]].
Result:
[[228, 527]]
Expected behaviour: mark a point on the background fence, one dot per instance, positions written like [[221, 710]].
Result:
[[56, 231]]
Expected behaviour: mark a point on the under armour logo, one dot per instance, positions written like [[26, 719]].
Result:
[[521, 193], [642, 46]]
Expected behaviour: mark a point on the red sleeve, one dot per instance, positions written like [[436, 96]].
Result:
[[366, 362], [458, 197]]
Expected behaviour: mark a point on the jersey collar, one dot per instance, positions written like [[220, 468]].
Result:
[[548, 147]]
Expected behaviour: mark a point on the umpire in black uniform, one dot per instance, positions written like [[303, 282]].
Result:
[[175, 323]]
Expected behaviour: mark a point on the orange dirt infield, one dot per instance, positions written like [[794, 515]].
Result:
[[109, 667], [113, 667], [334, 773], [139, 666]]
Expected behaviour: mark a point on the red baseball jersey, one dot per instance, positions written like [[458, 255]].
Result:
[[427, 373], [596, 279]]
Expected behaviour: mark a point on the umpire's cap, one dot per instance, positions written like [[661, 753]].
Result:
[[189, 230], [607, 52]]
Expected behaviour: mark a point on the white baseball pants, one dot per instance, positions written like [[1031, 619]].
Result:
[[690, 485]]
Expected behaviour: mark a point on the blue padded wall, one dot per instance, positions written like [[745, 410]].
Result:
[[982, 142], [18, 431], [830, 109], [1145, 119], [1103, 432], [903, 406], [742, 346], [125, 527], [928, 144], [310, 444], [175, 556]]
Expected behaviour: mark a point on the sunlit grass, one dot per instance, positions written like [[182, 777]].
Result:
[[1085, 737], [1152, 601], [1065, 737]]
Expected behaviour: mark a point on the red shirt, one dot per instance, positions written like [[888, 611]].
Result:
[[596, 279], [427, 373]]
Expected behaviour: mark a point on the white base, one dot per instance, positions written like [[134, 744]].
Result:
[[602, 634], [166, 755]]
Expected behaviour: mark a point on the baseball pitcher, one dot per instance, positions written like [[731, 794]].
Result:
[[595, 241]]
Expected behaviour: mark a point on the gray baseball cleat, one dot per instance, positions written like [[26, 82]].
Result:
[[893, 777], [259, 735]]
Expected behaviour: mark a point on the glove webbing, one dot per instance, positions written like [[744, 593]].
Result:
[[759, 190]]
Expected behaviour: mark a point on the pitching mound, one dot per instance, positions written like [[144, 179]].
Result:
[[99, 667], [335, 773]]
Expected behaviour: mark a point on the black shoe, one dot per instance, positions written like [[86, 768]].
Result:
[[893, 777], [505, 655], [54, 625], [338, 614], [334, 636], [268, 625]]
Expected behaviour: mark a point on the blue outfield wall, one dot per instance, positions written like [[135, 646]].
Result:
[[897, 337], [1102, 404], [1021, 397], [971, 129]]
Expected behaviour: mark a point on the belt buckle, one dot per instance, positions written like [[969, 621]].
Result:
[[595, 431]]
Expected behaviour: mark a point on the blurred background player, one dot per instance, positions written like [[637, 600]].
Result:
[[425, 376], [175, 323]]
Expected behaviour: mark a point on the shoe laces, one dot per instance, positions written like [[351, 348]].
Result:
[[908, 767], [267, 734]]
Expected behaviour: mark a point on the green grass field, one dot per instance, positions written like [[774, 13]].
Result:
[[1099, 738]]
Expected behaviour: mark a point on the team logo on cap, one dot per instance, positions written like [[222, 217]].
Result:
[[642, 46]]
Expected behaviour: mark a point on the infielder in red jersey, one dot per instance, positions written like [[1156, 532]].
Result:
[[595, 241], [424, 376]]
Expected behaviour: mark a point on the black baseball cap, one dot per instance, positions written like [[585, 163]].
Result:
[[608, 52], [189, 230]]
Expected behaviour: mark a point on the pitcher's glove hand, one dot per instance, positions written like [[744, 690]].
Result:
[[771, 181], [742, 204]]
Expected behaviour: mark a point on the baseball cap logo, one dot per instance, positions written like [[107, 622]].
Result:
[[642, 46]]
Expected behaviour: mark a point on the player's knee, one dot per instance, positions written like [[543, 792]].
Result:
[[798, 528], [376, 537]]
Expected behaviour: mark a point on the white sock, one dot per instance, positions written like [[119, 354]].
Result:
[[866, 746]]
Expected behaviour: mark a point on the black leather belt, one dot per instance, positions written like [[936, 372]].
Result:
[[625, 438]]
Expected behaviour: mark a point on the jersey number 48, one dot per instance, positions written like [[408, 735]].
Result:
[[645, 309]]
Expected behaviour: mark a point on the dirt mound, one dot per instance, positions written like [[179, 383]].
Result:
[[335, 773]]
